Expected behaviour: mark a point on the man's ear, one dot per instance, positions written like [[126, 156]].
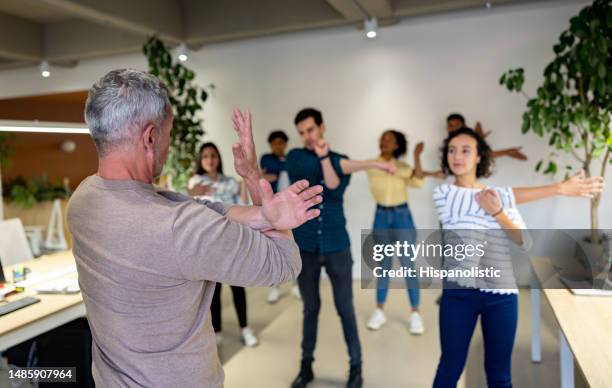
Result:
[[322, 126], [149, 136]]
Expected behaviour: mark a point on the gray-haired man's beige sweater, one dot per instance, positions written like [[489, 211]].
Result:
[[147, 265]]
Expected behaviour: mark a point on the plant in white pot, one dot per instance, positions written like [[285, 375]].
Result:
[[573, 105]]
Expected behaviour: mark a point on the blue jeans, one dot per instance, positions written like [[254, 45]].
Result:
[[459, 311], [387, 224], [338, 267]]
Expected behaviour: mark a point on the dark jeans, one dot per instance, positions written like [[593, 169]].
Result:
[[239, 303], [338, 266], [459, 311]]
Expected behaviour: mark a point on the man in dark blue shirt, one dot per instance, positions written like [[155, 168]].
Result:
[[274, 171], [324, 241], [273, 163]]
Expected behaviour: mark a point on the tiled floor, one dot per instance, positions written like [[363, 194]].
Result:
[[392, 357]]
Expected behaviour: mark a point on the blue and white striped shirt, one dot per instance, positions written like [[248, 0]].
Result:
[[459, 211]]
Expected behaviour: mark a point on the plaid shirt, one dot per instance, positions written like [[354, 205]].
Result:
[[327, 233]]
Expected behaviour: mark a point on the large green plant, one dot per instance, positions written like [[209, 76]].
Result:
[[6, 150], [187, 99], [28, 192], [573, 105]]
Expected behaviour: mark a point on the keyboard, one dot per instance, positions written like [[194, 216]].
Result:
[[17, 304]]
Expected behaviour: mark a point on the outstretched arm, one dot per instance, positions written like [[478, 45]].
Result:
[[350, 166], [576, 186], [514, 152]]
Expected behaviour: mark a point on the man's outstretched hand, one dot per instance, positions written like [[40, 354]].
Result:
[[291, 207]]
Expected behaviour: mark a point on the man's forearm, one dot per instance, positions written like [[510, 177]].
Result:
[[250, 216], [329, 174]]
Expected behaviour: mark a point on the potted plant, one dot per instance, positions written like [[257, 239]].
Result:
[[187, 99], [573, 107], [6, 150]]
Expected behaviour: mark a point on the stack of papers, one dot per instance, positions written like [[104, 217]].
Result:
[[59, 286]]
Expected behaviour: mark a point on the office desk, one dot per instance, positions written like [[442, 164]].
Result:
[[585, 328], [52, 311]]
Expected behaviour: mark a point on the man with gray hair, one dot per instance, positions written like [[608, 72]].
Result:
[[148, 261]]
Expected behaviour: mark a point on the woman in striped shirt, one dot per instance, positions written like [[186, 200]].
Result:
[[468, 205]]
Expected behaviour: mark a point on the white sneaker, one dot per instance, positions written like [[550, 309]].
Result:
[[274, 295], [377, 320], [219, 338], [248, 337], [295, 290], [416, 324]]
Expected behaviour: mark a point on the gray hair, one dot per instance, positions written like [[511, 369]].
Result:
[[120, 104]]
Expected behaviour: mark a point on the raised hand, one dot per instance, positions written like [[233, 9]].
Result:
[[290, 208], [488, 199], [581, 186], [321, 148], [480, 131], [201, 189], [245, 157], [418, 149]]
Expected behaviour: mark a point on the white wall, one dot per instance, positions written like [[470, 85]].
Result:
[[409, 78]]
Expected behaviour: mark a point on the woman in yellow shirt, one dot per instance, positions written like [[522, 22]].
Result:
[[393, 214]]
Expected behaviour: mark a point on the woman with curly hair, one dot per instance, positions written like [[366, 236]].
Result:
[[472, 212]]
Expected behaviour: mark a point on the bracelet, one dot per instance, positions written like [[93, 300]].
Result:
[[497, 212], [324, 157]]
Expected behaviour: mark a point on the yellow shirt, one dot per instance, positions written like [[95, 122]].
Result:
[[390, 190]]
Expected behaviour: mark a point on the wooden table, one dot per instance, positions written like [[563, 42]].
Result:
[[585, 327], [52, 311]]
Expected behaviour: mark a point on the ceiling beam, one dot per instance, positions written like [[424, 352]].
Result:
[[141, 17], [20, 39], [377, 8], [77, 39], [354, 10], [347, 8]]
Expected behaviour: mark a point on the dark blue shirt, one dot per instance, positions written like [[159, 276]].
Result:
[[326, 233], [273, 165]]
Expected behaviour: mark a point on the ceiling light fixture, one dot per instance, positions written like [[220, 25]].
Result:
[[370, 25], [45, 70], [41, 127], [182, 52]]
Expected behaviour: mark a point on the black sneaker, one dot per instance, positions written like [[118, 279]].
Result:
[[304, 377], [355, 380]]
